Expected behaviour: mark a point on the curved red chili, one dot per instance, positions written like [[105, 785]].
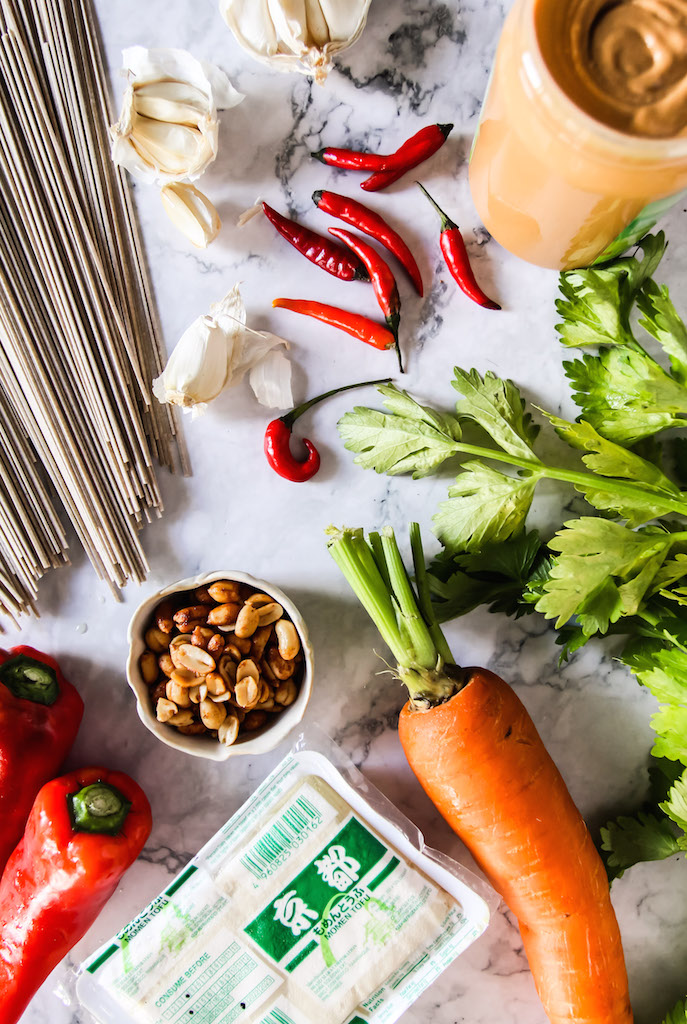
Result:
[[317, 248], [457, 260], [278, 438], [413, 152], [369, 331], [383, 281], [366, 220], [351, 159]]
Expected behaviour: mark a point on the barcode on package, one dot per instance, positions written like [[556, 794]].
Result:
[[276, 1017], [275, 845]]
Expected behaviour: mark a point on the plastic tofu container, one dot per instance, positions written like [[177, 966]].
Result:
[[317, 903]]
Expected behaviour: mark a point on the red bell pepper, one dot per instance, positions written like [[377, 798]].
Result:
[[40, 713], [84, 830]]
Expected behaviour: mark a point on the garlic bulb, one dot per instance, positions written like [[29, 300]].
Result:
[[167, 130], [191, 212], [296, 35], [215, 352]]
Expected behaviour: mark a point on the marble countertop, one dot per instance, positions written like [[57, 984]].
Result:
[[417, 62]]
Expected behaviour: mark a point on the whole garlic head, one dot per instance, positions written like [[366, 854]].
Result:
[[296, 35], [167, 130]]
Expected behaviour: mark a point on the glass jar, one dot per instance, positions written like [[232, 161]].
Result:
[[551, 183]]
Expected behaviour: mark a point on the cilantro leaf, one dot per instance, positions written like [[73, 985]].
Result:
[[678, 1014], [416, 442], [497, 406], [663, 323], [484, 506], [670, 724], [632, 840], [602, 572], [663, 670], [625, 394], [676, 804]]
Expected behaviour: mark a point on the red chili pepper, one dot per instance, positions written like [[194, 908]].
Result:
[[369, 222], [369, 331], [84, 830], [319, 249], [415, 151], [457, 260], [351, 159], [40, 713], [383, 282], [278, 438]]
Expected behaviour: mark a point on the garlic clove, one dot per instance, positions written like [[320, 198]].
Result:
[[176, 102], [191, 212], [197, 368], [168, 148]]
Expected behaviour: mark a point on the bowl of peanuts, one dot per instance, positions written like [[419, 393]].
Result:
[[221, 665]]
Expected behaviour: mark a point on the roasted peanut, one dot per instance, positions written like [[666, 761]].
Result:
[[194, 659], [243, 643], [267, 705], [287, 639], [184, 677], [148, 665], [188, 618], [265, 691], [285, 694], [194, 728], [247, 621], [221, 698], [270, 613], [259, 600], [212, 715], [216, 684], [165, 709], [164, 617], [159, 691], [267, 672], [254, 720], [166, 664], [178, 694], [198, 693], [247, 669], [282, 668], [259, 642], [216, 645], [225, 592], [229, 730], [246, 693], [202, 596], [182, 718], [227, 669], [201, 636], [156, 640], [223, 614]]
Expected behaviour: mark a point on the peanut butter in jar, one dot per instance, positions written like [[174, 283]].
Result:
[[582, 141]]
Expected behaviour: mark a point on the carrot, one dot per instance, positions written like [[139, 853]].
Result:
[[478, 755], [483, 765]]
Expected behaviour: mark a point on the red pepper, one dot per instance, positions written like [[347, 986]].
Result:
[[351, 159], [415, 151], [383, 281], [369, 331], [457, 260], [369, 222], [84, 830], [319, 249], [278, 439], [40, 713]]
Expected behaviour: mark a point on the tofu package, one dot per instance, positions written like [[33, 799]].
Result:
[[317, 903]]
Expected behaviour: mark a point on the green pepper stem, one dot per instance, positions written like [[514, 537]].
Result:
[[446, 222], [99, 807], [30, 679], [290, 417]]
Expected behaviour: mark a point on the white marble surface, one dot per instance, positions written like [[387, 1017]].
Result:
[[417, 62]]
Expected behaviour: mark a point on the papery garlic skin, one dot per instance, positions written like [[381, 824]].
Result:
[[167, 130], [191, 212], [296, 35], [215, 352]]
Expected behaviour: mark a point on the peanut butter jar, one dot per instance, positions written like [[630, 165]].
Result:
[[582, 141]]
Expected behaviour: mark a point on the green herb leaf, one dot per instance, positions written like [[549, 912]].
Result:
[[661, 669], [676, 804], [670, 724], [626, 395], [484, 506], [497, 406], [663, 323], [602, 572], [399, 403], [678, 1014], [627, 841], [395, 444]]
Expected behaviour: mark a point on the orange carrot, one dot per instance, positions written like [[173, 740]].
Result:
[[484, 767], [478, 756]]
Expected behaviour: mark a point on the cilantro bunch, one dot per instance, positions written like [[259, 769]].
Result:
[[622, 568]]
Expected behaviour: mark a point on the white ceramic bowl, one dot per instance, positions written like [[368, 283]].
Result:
[[207, 746]]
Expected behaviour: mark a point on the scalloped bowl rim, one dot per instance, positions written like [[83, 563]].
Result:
[[200, 746]]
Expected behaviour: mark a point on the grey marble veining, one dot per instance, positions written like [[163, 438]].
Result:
[[418, 61]]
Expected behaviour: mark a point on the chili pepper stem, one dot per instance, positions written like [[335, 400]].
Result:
[[446, 222], [98, 808], [290, 417]]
